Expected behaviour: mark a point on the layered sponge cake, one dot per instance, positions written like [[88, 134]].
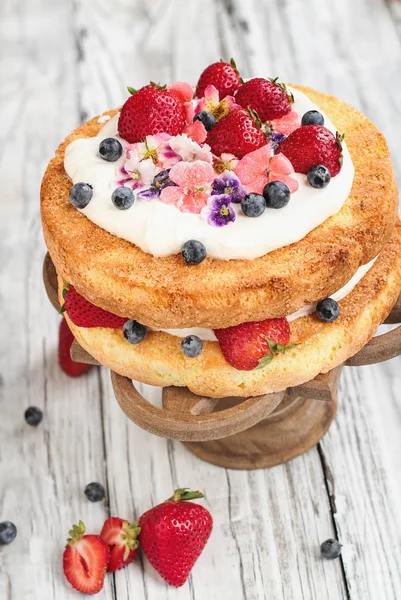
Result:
[[237, 238]]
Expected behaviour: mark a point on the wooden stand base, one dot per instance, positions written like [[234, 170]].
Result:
[[294, 427]]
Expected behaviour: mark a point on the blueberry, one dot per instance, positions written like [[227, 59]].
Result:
[[318, 176], [134, 332], [276, 194], [193, 252], [253, 205], [81, 194], [33, 416], [206, 118], [123, 197], [312, 117], [95, 492], [328, 310], [330, 549], [110, 149], [8, 532], [191, 346]]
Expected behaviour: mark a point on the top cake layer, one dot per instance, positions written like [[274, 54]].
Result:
[[165, 292]]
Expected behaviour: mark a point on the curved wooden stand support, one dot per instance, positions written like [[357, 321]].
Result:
[[241, 433]]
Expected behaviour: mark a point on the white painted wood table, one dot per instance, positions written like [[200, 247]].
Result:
[[60, 62]]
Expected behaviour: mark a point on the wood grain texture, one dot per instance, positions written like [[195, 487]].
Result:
[[59, 63]]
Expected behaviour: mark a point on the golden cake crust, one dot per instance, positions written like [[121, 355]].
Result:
[[167, 293], [158, 359]]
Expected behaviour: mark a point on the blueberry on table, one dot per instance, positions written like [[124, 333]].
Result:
[[205, 117], [81, 194], [8, 532], [276, 194], [312, 117], [95, 492], [253, 205], [191, 346], [110, 149], [193, 252], [123, 197], [328, 310], [134, 332], [318, 176], [33, 416], [330, 549]]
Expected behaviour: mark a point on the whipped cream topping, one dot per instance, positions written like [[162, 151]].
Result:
[[161, 229], [308, 309]]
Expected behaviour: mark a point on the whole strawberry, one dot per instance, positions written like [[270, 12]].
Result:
[[120, 536], [85, 560], [237, 133], [150, 110], [267, 97], [65, 340], [254, 345], [85, 314], [173, 535], [224, 76], [312, 145]]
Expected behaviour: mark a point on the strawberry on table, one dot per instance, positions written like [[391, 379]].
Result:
[[150, 110], [121, 537], [85, 560], [269, 98], [224, 76], [85, 314], [254, 345], [238, 133], [69, 366], [312, 145], [173, 535]]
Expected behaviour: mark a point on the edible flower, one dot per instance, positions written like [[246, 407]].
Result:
[[160, 181], [211, 103], [225, 162], [193, 186], [229, 184], [187, 149], [258, 168], [219, 211]]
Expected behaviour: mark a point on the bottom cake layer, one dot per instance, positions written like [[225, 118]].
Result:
[[158, 359]]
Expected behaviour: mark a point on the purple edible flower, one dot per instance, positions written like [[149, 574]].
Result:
[[160, 181], [219, 211], [229, 184], [276, 138]]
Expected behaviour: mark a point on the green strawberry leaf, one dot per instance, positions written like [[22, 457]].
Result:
[[290, 95], [275, 349], [131, 90]]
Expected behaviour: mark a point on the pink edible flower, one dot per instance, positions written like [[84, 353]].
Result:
[[189, 150], [196, 131], [193, 186], [211, 103], [225, 162], [287, 124], [182, 90], [258, 168]]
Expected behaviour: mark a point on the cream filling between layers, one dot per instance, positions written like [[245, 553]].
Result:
[[161, 230], [308, 309]]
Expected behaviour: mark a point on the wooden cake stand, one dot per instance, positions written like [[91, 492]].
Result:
[[241, 433]]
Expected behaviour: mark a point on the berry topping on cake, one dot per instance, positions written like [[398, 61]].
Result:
[[312, 145], [206, 118], [150, 110], [312, 117], [253, 205], [95, 492], [193, 252], [328, 310], [81, 194], [254, 345], [110, 149], [33, 416], [318, 176], [269, 98], [123, 197], [191, 346], [85, 560], [134, 332], [276, 194], [224, 76], [237, 133], [85, 314], [121, 538]]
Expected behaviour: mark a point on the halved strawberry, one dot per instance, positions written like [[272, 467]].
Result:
[[85, 314], [69, 366], [85, 560], [254, 345], [120, 536]]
